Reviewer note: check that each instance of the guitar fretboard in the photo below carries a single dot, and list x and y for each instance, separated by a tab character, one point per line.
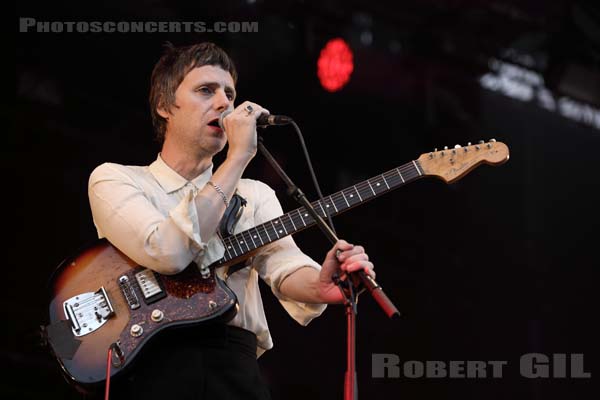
294	221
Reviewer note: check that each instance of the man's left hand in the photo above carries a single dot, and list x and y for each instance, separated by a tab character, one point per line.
343	258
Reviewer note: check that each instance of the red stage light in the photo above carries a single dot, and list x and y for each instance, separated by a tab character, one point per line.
335	65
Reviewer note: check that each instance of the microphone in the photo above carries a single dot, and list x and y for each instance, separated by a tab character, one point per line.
262	121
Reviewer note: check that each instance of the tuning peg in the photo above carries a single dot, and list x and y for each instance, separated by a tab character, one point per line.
457	146
445	147
430	156
493	140
469	143
481	142
435	150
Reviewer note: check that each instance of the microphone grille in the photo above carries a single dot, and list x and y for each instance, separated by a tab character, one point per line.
223	115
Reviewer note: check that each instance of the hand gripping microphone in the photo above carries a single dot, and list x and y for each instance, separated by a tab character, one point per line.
262	121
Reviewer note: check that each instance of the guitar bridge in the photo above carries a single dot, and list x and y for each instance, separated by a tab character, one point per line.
87	312
129	292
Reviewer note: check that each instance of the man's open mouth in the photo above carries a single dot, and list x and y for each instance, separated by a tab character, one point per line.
214	122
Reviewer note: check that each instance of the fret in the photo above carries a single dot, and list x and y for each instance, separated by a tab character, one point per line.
417	168
332	201
398	170
266	231
345	199
258	235
322	209
296	220
352	198
237	239
282	224
378	187
392	178
386	184
239	245
374	194
275	229
308	217
299	213
292	221
231	246
227	247
244	240
251	238
357	193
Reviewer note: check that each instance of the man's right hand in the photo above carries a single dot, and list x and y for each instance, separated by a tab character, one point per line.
240	128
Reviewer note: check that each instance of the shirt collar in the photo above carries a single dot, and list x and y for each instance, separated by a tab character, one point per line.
171	181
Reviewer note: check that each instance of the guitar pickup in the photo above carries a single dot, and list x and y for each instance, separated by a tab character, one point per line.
149	284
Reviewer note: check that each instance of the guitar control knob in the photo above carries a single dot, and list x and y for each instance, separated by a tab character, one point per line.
212	305
157	315
136	330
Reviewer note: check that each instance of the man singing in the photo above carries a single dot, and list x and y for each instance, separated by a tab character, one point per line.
165	216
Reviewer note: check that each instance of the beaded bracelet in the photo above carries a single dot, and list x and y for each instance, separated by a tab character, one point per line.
220	191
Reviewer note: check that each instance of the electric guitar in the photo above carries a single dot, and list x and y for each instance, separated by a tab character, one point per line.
101	299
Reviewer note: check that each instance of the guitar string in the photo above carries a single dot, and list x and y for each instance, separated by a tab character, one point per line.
393	176
335	198
410	170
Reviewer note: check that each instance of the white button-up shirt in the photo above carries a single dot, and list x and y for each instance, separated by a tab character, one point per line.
149	213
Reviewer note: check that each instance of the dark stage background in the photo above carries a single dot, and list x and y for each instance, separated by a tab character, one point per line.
498	265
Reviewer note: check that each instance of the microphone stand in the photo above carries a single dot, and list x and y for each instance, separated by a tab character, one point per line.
346	287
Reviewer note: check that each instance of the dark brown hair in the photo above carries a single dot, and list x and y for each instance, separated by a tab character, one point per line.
170	70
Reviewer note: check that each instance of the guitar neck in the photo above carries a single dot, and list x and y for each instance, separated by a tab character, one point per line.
240	244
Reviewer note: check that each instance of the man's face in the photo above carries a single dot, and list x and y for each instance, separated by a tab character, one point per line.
202	96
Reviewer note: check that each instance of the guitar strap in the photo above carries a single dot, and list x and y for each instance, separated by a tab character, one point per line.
232	215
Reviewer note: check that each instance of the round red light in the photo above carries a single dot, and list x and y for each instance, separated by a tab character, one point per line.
335	65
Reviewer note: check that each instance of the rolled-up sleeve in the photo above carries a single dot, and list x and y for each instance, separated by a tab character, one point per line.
129	220
278	260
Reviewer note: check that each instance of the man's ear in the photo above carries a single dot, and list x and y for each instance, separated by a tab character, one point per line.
163	112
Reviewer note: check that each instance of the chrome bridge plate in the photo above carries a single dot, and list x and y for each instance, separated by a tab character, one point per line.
88	311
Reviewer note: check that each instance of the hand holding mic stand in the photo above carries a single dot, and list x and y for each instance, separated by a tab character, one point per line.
350	386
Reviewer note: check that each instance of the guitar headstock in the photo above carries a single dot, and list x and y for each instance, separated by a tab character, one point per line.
452	164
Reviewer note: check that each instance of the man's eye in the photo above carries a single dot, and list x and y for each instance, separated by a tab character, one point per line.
204	89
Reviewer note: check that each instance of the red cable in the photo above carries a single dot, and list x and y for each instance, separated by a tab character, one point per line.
108	362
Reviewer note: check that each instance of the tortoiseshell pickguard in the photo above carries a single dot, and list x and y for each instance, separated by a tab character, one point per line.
190	299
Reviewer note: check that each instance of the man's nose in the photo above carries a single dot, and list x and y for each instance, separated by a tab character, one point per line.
222	102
